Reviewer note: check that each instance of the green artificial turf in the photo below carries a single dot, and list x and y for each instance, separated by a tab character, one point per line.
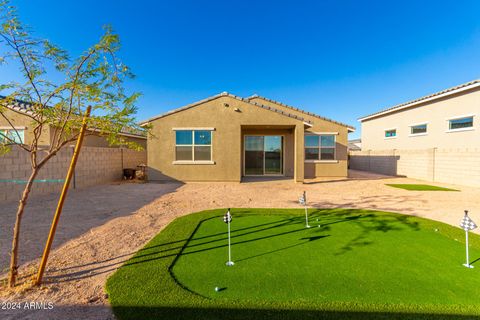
358	264
419	187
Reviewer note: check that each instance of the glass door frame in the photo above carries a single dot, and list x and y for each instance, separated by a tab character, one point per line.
282	154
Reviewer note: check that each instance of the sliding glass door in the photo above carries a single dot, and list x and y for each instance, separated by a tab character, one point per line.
263	155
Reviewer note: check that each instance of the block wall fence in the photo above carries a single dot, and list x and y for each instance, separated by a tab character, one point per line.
455	166
95	166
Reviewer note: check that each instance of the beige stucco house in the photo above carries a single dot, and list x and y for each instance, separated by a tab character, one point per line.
446	119
226	137
16	114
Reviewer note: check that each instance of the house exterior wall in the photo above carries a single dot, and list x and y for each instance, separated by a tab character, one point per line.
320	168
21	120
436	114
227	140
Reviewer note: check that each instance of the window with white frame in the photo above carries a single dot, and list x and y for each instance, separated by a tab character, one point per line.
418	129
193	145
11	135
460	123
391	133
320	147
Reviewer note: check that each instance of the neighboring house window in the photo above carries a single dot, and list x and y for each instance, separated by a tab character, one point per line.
193	145
18	135
460	123
390	133
320	147
418	129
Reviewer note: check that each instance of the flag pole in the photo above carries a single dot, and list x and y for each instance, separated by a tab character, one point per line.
228	220
230	262
468	265
306	210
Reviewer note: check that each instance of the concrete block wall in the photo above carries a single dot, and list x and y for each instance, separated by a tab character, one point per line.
456	166
95	166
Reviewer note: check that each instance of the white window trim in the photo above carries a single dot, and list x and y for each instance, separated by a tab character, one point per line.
321	161
193	162
390	129
193	145
461	129
318	134
460	117
421	133
194	128
14	130
419	123
418	134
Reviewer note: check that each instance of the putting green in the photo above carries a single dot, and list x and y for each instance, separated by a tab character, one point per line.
359	257
355	264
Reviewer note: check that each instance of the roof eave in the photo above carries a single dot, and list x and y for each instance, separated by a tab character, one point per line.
432	97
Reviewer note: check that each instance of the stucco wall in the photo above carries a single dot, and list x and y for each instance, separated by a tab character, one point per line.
21	120
95	166
226	139
319	168
449	165
436	115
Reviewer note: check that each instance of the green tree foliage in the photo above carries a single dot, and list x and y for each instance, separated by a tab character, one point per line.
96	78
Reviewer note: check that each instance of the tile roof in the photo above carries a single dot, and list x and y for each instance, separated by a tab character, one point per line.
26	107
437	95
226	94
300	110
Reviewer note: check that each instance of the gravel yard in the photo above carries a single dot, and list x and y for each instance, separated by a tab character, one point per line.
103	226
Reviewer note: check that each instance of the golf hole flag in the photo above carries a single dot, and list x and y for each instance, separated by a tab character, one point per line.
467	224
227	218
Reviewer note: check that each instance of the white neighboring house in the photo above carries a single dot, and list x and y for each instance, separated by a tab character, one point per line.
446	119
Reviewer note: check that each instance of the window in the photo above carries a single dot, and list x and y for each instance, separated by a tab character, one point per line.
320	147
193	145
8	135
390	133
418	129
460	123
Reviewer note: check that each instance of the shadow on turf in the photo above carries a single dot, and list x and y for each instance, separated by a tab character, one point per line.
367	221
173	313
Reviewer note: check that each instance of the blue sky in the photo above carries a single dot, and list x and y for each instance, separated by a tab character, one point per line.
340	59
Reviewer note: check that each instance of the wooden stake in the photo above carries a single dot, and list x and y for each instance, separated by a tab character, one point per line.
63	196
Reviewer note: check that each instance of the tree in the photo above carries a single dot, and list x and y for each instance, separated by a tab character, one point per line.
96	78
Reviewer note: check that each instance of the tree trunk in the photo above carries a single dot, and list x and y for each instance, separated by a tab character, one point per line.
12	276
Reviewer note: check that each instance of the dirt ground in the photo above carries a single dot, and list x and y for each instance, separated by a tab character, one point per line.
103	226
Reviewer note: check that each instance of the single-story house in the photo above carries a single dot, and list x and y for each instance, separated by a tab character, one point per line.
22	130
226	137
445	119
